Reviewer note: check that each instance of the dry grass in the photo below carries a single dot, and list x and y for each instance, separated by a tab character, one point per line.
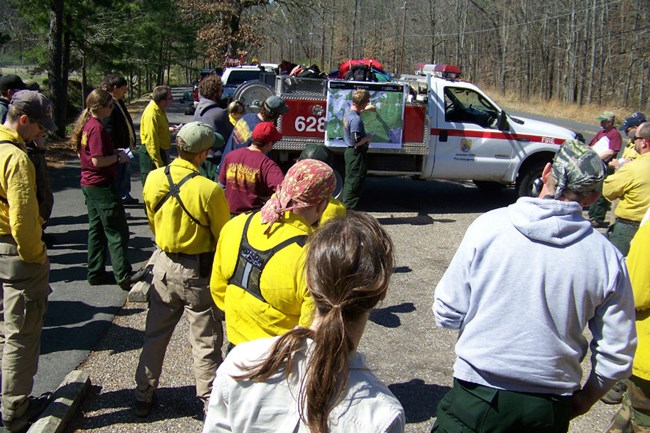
581	113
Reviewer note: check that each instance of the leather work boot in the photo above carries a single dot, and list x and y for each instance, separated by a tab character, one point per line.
36	406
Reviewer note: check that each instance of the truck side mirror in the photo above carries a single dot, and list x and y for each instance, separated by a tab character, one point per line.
502	121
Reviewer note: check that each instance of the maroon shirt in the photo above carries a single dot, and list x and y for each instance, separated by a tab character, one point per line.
250	178
95	141
615	140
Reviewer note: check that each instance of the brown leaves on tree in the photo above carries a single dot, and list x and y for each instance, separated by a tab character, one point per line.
229	28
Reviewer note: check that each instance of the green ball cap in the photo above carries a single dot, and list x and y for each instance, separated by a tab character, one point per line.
220	141
196	137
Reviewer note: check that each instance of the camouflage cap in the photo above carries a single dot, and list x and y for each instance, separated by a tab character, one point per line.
578	168
607	115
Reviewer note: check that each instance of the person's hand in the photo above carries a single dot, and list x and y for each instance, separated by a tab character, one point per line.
613	164
122	158
579	405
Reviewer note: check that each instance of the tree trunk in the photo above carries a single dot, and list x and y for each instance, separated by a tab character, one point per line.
55	66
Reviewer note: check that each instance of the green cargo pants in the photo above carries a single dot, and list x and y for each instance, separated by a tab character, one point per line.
598	210
107	227
472	408
146	164
356	168
621	234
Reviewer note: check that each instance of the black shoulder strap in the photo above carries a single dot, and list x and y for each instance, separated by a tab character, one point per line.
208	108
174	191
251	262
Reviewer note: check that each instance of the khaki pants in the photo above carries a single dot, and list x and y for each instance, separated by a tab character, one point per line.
23	295
177	286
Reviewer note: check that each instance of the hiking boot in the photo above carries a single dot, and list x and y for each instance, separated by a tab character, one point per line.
615	394
133	277
599	224
130	200
36	406
143	408
102	279
139	274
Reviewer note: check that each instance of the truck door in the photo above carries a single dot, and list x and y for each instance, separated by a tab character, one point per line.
465	134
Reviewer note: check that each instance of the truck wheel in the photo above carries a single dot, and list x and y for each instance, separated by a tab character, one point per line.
527	177
489	187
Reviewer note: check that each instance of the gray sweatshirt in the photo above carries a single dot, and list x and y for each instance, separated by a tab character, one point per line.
522	287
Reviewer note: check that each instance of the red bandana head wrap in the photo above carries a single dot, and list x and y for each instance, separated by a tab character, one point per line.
307	183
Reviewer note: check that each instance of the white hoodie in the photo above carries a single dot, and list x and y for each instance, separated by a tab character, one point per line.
525	282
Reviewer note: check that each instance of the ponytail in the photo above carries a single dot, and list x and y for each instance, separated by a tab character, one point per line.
327	373
75	139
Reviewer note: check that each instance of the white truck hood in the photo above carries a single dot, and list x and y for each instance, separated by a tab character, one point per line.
537	127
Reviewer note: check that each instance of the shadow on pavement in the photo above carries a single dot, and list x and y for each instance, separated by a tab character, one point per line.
424	197
419	399
387	317
72	338
60	313
116	407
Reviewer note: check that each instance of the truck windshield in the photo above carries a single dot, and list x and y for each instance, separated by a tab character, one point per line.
468	106
238	77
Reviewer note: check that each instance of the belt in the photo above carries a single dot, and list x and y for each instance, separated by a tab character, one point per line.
7	239
628	222
187	256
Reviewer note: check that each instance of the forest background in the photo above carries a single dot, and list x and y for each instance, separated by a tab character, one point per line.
557	52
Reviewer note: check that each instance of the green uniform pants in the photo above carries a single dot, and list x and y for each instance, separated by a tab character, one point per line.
356	168
598	210
23	304
107	227
146	163
472	408
621	234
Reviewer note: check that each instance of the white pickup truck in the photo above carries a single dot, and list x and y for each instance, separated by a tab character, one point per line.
452	131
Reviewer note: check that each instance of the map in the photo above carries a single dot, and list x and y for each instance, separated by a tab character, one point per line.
385	123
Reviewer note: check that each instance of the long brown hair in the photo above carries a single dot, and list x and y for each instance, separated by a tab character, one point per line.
96	100
349	264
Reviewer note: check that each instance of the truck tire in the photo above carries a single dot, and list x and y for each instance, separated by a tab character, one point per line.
528	174
489	187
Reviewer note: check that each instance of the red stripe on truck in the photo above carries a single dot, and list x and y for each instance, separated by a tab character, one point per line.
498	135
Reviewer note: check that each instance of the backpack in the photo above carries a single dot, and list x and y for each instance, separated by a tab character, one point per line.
360	72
